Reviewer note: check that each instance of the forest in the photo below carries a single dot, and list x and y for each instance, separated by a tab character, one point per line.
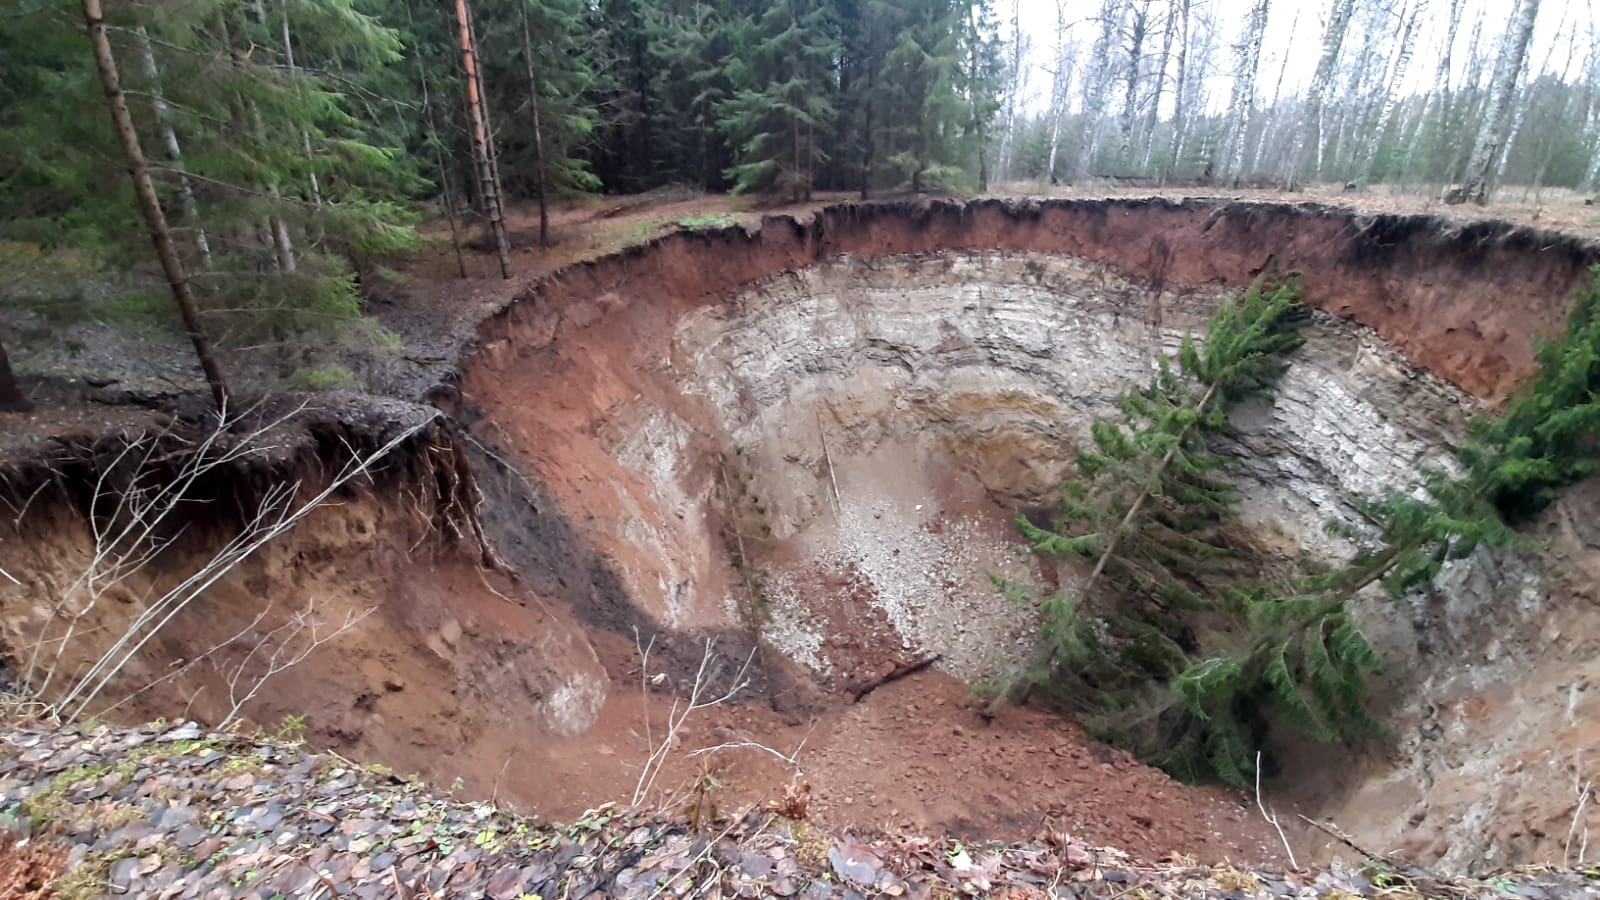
280	150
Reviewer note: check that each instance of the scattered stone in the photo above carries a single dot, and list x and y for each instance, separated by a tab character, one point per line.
303	838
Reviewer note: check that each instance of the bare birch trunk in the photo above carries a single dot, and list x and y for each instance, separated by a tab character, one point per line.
1180	120
1061	82
1096	81
1017	82
1309	134
1242	103
169	137
1491	137
149	203
1153	117
1391	91
478	114
1138	31
1441	84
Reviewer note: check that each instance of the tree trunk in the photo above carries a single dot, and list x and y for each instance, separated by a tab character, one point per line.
438	154
11	397
1441	85
1015	83
1180	93
478	115
305	136
169	137
1095	84
867	147
1502	93
977	118
538	132
1138	30
1309	135
1391	91
149	204
1242	102
1061	82
1153	116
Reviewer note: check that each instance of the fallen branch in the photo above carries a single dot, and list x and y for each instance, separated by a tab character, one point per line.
898	672
1272	818
792	760
1338	835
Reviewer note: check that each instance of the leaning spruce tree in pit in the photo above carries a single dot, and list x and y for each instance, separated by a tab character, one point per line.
1168	649
1149	512
1170	646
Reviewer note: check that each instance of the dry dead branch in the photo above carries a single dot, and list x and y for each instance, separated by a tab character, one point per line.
1272	817
682	708
135	513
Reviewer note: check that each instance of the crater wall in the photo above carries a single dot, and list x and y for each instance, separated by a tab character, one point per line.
831	424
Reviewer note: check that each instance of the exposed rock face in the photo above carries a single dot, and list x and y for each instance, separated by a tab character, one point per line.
950	391
865	401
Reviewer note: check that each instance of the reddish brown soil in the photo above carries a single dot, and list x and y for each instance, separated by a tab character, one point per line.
1466	301
913	756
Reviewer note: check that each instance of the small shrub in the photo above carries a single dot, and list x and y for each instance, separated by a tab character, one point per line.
711	221
323	378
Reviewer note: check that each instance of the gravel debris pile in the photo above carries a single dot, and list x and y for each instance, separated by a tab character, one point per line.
173	811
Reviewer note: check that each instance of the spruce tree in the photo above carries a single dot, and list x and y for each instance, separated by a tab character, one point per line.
782	105
279	161
1549	436
540	82
1147	509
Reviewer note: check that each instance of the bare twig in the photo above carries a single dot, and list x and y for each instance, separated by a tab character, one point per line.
823	434
1585	791
792	760
1272	818
681	711
1348	841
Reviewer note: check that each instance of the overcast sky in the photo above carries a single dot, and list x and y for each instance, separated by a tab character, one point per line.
1294	27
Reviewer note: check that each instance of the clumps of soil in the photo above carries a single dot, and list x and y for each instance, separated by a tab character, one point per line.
172	810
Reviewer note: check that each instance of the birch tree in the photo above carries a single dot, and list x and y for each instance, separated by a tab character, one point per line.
1502	92
1439	94
1309	135
1241	104
1096	83
1066	56
1016	83
1180	92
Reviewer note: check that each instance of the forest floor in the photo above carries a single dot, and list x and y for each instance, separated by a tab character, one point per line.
169	810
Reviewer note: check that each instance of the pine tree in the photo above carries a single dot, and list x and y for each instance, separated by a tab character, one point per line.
539	82
781	107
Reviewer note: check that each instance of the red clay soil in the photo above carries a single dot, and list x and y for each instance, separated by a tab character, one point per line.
1468	302
913	756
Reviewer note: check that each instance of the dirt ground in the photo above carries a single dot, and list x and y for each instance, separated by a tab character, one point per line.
912	757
